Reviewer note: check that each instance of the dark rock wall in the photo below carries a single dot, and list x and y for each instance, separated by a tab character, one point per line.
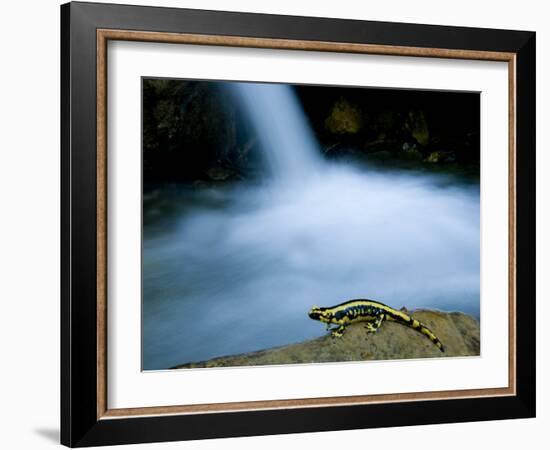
433	127
193	130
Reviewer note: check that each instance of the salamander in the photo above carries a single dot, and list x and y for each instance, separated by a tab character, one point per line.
371	312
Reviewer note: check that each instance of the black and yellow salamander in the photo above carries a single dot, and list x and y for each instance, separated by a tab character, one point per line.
371	312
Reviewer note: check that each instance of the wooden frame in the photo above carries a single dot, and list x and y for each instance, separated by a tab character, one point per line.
86	418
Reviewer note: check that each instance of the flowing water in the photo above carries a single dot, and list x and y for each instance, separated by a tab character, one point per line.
235	269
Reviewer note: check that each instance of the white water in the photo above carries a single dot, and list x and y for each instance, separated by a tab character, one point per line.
239	269
288	144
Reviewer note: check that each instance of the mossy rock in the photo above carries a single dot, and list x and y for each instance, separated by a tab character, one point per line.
439	157
344	118
418	126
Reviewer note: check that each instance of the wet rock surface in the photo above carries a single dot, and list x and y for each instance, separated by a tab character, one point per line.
459	333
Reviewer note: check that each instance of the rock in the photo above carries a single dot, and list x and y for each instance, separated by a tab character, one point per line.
458	332
187	128
382	155
332	148
438	157
418	126
244	150
219	173
410	151
344	118
386	122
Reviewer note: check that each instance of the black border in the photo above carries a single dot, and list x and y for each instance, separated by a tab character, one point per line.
79	425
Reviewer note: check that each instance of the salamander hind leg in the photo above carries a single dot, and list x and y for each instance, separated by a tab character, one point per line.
372	327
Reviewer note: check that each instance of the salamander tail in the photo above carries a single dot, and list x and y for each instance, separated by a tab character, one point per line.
431	336
421	328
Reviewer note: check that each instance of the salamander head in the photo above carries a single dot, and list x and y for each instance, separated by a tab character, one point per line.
321	314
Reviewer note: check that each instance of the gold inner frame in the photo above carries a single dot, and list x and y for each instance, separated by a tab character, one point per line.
104	35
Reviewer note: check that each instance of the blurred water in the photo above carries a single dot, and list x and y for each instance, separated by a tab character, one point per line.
288	144
239	270
236	269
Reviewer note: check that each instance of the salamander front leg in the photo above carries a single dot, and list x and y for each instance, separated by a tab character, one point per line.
338	332
379	321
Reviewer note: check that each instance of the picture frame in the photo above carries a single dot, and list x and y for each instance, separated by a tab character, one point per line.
86	29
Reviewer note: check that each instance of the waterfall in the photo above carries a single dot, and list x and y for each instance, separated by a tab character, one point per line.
287	142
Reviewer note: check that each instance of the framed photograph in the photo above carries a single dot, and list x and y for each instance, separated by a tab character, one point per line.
277	224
